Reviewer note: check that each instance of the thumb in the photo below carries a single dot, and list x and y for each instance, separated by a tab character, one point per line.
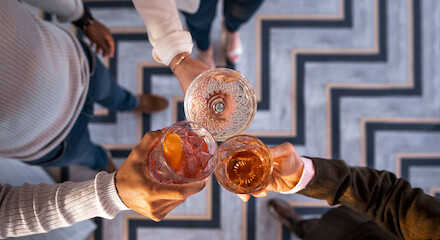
260	193
150	140
244	197
188	189
282	150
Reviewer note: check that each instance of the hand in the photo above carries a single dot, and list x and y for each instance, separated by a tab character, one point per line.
187	70
287	170
101	39
140	192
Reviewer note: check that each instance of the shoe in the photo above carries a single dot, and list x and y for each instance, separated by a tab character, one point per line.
111	167
283	212
207	57
149	103
232	46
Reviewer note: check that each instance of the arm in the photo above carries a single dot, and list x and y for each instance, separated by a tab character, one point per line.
65	10
75	12
391	202
169	40
164	29
31	209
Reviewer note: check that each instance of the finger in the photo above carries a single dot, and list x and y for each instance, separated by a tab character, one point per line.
157	205
206	180
181	191
281	150
164	130
149	140
260	193
163	212
98	49
92	46
244	197
105	48
111	43
171	206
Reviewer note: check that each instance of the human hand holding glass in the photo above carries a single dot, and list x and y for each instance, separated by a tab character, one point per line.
185	153
187	69
141	192
222	100
287	171
245	164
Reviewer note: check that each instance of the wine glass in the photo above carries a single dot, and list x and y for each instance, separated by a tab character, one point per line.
186	152
221	100
245	164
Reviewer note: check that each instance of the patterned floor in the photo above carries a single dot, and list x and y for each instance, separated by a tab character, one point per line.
353	80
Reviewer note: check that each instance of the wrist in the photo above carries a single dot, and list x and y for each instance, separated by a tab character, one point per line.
302	176
85	20
108	191
178	60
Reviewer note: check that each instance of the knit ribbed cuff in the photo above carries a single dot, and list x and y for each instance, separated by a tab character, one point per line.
171	45
108	195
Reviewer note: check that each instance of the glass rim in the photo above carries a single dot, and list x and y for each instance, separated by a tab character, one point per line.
251	189
167	165
242	79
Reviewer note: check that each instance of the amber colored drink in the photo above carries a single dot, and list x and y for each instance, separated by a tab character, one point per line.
245	169
245	164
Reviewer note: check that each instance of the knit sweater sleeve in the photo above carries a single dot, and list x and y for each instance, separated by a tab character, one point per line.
31	209
65	10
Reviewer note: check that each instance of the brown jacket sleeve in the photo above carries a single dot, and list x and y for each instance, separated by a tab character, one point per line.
406	212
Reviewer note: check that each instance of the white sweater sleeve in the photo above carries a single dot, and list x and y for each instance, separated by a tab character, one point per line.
164	29
31	209
65	10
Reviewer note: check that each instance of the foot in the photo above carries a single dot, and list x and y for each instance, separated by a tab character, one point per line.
149	103
233	47
207	57
111	167
283	212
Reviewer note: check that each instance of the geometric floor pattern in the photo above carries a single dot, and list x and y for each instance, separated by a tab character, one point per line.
343	79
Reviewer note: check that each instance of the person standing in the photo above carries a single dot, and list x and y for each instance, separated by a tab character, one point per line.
235	13
49	82
379	196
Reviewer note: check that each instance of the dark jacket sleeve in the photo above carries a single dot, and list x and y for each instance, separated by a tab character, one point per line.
406	212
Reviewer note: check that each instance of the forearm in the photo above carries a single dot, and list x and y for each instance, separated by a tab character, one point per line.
391	202
65	10
31	209
164	29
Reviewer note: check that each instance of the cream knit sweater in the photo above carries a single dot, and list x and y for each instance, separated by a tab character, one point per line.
43	85
31	209
44	77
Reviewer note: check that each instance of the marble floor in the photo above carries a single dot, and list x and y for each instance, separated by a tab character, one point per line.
343	79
